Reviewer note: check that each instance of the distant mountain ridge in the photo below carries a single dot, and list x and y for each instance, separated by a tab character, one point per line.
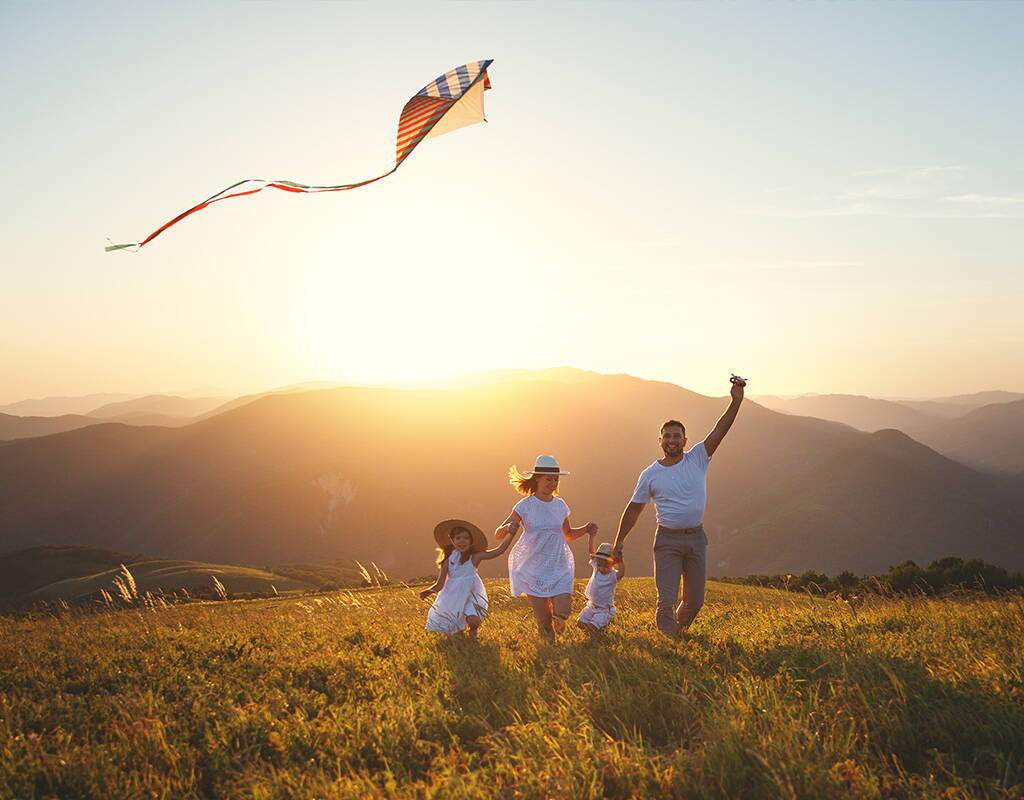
990	437
861	412
60	406
13	427
160	405
364	473
984	436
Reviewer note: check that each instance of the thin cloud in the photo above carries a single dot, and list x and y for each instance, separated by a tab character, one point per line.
905	193
987	199
920	172
784	265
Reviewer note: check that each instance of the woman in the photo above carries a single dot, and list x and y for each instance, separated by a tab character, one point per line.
541	565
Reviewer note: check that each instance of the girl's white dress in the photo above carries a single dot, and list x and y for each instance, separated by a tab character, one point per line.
601	596
463	594
541	563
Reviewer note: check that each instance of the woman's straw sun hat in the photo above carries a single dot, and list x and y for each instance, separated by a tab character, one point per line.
546	465
443	531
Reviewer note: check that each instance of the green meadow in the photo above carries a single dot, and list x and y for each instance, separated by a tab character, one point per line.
774	695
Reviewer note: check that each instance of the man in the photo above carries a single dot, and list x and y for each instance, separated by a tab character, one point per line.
677	484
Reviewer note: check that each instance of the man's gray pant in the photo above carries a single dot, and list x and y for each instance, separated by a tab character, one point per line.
678	555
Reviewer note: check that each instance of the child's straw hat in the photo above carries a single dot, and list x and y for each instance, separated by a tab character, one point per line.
443	531
604	552
546	465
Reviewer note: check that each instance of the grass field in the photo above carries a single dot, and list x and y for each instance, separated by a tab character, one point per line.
344	695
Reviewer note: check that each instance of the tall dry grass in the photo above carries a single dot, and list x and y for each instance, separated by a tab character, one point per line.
344	695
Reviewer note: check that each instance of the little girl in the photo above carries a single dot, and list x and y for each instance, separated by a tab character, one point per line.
541	565
601	589
461	597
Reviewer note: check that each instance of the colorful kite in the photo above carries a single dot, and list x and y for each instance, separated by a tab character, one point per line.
453	101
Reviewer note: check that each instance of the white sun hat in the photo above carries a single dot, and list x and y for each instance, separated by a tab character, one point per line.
546	465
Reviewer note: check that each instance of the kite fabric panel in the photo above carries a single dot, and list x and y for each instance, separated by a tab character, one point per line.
452	101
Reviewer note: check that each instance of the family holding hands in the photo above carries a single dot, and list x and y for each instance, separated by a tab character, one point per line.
541	565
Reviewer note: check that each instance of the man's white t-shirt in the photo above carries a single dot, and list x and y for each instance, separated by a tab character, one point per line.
679	492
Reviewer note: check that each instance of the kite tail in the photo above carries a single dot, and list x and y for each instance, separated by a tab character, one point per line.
228	192
419	120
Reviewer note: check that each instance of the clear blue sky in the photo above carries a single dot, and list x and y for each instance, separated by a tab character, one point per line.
827	196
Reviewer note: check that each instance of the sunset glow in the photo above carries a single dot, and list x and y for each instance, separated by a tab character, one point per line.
820	217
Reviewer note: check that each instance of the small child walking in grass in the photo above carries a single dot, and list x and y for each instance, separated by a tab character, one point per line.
541	565
461	602
600	590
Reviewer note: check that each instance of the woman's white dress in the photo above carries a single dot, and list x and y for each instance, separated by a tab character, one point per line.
600	592
463	594
541	563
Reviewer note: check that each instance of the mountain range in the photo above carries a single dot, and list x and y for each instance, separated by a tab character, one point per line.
364	473
984	430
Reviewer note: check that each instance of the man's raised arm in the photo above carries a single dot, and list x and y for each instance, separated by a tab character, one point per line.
629	517
725	422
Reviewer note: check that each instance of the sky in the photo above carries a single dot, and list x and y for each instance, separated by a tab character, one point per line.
824	197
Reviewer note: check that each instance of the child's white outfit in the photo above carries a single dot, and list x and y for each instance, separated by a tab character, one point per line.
541	563
463	594
601	596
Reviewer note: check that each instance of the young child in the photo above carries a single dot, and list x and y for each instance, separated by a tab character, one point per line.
461	601
541	565
601	589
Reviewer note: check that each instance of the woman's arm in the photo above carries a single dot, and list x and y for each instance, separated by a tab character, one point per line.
442	576
501	548
507	526
571	534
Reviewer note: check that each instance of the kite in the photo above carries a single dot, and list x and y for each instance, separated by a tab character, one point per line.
450	102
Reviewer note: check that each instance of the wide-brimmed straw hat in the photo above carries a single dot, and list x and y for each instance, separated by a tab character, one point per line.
604	552
546	465
443	531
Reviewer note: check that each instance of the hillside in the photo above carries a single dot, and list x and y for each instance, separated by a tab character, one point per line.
71	573
774	695
25	571
986	436
979	399
13	427
171	575
864	413
364	473
990	437
60	406
879	499
157	406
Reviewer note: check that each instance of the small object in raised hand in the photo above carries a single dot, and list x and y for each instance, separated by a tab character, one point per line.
738	380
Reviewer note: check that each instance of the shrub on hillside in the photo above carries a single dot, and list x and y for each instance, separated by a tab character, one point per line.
940	577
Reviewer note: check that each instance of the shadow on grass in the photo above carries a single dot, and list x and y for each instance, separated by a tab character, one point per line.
682	694
486	692
964	726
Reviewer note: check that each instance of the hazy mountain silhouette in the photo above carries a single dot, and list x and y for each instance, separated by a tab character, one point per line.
244	400
160	406
59	406
365	473
864	413
12	427
882	498
164	410
978	399
990	437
